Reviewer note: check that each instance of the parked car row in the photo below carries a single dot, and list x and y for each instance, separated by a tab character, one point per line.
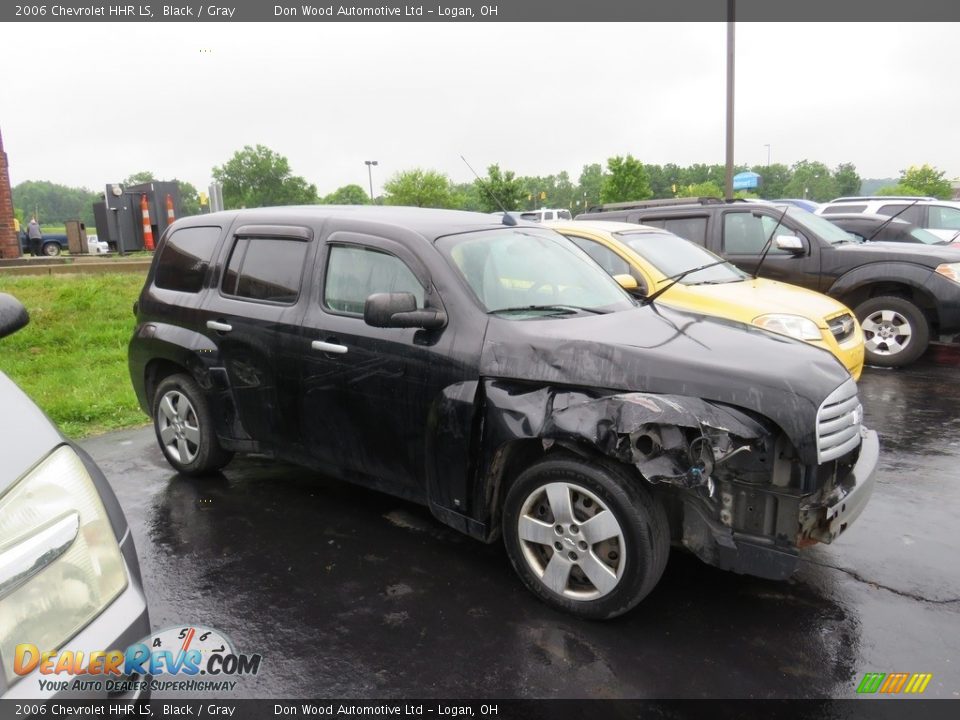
902	293
492	370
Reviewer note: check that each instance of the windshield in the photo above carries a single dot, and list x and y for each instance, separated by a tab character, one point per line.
531	272
819	226
671	255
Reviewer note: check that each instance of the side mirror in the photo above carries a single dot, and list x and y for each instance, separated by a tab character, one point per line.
399	310
13	315
627	282
790	243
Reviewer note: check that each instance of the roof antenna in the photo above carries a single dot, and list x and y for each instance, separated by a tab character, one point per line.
508	219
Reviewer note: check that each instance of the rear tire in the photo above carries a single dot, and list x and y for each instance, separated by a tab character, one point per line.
585	537
895	331
51	249
184	427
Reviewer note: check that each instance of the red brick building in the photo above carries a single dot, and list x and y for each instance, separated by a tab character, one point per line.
9	244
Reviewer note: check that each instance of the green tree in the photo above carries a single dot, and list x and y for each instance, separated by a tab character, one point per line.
589	185
928	180
257	177
347	195
500	187
420	188
812	180
466	196
139	178
704	189
774	179
627	180
54	204
900	189
848	180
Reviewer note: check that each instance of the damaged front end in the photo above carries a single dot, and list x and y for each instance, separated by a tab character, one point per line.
737	492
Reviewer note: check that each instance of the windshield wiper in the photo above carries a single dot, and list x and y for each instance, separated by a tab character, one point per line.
680	276
769	242
569	309
891	219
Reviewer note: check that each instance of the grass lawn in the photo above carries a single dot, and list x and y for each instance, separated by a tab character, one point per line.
72	357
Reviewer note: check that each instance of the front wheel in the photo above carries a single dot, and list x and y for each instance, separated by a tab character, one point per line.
895	331
184	427
51	249
586	537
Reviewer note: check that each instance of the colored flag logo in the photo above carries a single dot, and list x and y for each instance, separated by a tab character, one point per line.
894	683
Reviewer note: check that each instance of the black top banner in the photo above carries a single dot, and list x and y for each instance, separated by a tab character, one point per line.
533	11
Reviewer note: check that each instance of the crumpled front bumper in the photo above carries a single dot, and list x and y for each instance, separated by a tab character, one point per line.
834	513
823	519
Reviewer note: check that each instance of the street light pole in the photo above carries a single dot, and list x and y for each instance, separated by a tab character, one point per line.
731	34
767	146
370	164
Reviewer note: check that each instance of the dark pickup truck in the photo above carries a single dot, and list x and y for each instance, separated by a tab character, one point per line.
52	244
901	294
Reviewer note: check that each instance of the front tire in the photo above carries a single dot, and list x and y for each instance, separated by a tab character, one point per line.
585	537
184	427
895	331
51	249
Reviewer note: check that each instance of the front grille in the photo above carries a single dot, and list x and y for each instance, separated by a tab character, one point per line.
838	422
842	326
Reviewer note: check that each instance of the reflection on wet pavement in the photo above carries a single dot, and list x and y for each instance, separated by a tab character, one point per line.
346	592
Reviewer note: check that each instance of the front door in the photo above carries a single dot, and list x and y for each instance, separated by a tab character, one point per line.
370	395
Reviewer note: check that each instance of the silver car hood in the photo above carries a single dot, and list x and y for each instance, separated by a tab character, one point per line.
26	434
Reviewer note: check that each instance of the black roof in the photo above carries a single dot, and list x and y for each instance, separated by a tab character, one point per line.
431	223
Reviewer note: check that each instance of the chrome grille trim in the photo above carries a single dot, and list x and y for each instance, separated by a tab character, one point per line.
839	420
842	326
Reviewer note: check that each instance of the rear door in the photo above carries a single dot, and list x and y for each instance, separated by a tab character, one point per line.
254	316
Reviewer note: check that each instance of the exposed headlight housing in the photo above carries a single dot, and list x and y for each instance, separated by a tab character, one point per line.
796	326
951	271
60	564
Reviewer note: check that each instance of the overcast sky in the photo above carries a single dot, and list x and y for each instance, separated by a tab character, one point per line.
88	104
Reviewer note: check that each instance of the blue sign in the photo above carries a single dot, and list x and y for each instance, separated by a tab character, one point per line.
746	181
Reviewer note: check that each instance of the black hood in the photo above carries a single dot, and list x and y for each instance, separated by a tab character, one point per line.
661	350
918	253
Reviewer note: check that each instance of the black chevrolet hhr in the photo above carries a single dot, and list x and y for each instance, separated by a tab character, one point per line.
493	372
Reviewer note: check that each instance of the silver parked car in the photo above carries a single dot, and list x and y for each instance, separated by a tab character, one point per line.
69	576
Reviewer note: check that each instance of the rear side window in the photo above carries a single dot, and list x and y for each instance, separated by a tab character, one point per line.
356	273
185	257
911	213
845	208
689	228
944	218
266	269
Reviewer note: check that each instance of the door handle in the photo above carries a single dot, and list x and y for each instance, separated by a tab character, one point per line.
328	347
219	326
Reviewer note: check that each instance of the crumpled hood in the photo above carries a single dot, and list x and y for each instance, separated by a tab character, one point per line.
662	350
26	435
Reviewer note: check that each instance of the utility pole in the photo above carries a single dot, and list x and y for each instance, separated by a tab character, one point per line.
731	37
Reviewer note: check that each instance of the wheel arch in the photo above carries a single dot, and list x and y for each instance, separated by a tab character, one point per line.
892	279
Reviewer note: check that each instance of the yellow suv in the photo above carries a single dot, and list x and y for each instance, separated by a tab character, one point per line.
654	258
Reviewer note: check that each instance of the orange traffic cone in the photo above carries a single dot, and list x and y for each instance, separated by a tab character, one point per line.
170	216
147	230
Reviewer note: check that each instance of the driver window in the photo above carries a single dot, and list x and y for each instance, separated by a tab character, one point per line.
745	234
355	273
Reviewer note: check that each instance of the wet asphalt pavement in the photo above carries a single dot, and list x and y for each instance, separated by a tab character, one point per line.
349	593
